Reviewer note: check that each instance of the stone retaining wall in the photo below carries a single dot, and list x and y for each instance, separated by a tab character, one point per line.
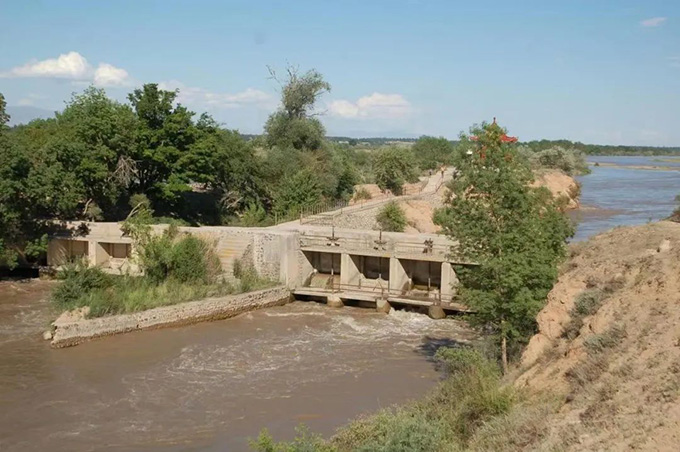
69	332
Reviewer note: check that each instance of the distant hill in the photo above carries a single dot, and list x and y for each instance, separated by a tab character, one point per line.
25	114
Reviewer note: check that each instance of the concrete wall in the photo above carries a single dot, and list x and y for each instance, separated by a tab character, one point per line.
273	253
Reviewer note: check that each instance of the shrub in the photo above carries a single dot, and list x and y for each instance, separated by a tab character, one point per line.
393	167
588	302
304	442
392	217
362	194
78	279
253	215
597	343
192	260
249	278
186	258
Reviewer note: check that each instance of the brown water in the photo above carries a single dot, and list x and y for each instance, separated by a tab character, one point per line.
210	386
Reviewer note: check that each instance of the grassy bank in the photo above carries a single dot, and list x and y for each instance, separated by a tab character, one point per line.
108	294
471	410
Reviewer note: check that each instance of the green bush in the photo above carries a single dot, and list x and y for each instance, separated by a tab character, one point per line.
78	279
393	167
185	258
304	442
391	218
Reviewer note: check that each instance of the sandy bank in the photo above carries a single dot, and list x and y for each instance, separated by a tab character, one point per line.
618	367
71	330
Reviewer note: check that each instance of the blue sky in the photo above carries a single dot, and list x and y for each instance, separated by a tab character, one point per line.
594	71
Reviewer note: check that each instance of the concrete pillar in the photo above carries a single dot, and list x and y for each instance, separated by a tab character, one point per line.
334	301
449	282
350	275
92	252
382	305
436	312
398	276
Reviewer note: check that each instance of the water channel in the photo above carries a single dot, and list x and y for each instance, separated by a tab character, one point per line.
211	386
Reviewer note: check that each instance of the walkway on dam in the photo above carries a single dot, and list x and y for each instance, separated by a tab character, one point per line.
431	185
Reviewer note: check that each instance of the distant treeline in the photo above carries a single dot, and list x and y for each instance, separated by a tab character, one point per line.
535	145
601	149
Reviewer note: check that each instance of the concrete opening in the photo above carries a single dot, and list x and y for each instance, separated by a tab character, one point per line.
62	251
322	270
376	267
113	255
423	278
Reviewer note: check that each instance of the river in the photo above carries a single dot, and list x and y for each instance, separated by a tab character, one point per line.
623	195
211	386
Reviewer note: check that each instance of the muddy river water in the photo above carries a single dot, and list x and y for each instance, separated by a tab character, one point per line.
210	386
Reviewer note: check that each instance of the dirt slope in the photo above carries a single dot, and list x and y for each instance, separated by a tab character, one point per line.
616	366
559	184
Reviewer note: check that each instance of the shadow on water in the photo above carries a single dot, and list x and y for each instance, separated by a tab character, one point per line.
429	346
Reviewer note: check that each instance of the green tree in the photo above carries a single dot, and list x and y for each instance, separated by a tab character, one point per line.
393	167
165	134
227	164
431	152
517	235
293	124
302	189
391	217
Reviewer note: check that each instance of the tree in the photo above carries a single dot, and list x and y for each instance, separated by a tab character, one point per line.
300	190
165	134
391	217
393	167
293	124
223	161
516	234
431	152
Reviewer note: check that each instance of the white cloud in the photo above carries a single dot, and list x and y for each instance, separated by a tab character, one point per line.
204	98
70	65
109	75
653	21
376	105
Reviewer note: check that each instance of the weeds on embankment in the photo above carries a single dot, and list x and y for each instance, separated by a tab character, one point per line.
176	268
471	410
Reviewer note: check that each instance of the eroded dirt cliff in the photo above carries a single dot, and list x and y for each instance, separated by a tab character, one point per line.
609	344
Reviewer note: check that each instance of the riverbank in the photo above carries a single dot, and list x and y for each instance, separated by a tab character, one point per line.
72	328
639	167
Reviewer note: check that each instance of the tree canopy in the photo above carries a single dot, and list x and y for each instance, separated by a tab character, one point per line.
517	234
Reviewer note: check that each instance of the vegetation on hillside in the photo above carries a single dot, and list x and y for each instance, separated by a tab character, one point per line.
516	233
391	217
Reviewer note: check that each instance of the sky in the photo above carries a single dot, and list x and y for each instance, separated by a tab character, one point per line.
604	72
